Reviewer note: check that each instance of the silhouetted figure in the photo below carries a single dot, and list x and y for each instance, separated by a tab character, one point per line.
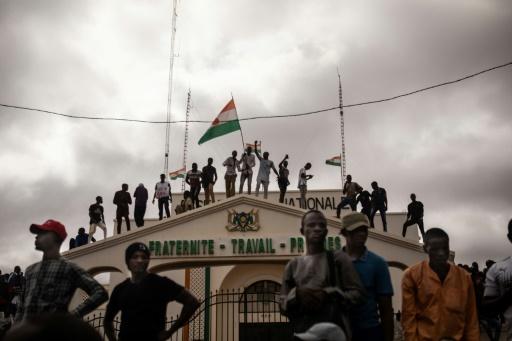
303	184
282	178
16	284
245	166
163	194
364	198
379	204
231	165
122	199
414	216
141	196
97	219
143	299
193	179
72	243
319	286
81	238
350	189
263	177
208	180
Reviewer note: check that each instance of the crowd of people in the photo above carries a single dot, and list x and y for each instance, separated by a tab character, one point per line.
345	293
45	292
195	179
206	178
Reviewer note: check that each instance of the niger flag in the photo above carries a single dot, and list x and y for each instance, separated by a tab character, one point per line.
226	122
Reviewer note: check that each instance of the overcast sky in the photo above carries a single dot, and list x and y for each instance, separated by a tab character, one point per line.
452	146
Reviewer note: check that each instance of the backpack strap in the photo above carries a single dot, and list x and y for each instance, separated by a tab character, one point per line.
332	268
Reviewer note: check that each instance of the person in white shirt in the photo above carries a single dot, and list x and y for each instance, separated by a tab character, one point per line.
303	184
264	172
231	165
163	194
498	288
245	166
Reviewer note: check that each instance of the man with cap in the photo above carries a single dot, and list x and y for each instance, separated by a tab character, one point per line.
372	320
323	331
142	300
51	283
319	286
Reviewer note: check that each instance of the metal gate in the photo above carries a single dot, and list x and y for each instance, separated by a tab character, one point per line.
246	314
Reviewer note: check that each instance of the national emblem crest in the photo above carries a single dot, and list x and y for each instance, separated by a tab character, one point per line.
242	221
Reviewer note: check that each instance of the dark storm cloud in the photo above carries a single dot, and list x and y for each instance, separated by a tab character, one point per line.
448	145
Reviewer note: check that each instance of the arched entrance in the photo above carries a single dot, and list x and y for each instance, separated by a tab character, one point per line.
262	319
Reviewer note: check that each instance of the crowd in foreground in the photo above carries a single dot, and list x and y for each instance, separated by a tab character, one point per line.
341	295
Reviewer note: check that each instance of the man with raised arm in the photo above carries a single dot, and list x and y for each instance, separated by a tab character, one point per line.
245	166
264	172
303	184
282	178
231	165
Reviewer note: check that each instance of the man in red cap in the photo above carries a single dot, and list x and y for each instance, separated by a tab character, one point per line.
51	283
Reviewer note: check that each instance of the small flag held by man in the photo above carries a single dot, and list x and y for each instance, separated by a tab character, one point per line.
254	147
226	122
334	161
180	173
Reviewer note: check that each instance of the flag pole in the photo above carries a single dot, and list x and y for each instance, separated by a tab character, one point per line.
241	133
342	132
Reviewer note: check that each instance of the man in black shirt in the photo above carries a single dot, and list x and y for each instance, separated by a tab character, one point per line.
379	203
141	199
122	199
365	199
142	300
282	178
209	179
97	218
414	216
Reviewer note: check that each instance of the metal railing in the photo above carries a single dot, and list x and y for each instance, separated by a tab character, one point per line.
227	315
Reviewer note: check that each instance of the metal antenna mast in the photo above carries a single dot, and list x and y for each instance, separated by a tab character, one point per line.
169	94
185	144
342	129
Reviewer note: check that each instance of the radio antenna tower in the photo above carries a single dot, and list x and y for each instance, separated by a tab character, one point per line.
185	144
169	93
342	130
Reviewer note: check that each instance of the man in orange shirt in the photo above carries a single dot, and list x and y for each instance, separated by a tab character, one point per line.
438	300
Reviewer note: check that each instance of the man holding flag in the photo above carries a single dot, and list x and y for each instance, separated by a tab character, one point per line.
245	166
